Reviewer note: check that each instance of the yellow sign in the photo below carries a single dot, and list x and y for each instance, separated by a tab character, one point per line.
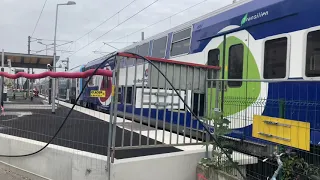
96	93
282	131
112	93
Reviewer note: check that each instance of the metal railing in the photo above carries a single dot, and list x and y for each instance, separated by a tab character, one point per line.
142	114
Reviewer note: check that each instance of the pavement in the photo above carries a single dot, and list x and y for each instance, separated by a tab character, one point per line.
81	131
8	172
8	175
34	120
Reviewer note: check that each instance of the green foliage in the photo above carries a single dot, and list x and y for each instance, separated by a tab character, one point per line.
219	160
294	167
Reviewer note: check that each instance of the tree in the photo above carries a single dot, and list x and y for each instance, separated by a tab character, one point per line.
219	160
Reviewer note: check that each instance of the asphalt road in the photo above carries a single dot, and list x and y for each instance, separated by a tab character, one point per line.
81	131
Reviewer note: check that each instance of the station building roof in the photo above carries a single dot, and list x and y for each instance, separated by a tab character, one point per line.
27	60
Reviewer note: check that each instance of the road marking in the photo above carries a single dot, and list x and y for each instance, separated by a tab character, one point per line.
17	114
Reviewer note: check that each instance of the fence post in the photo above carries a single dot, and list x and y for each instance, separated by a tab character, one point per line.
282	108
281	115
110	123
115	107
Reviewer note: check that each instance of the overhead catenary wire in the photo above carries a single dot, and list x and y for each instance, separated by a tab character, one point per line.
109	18
35	27
148	25
106	20
113	41
42	39
114	27
159	21
154	23
56	46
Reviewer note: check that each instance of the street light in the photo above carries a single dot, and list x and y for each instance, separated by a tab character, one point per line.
54	55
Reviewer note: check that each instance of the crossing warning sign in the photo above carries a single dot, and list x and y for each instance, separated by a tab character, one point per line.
97	93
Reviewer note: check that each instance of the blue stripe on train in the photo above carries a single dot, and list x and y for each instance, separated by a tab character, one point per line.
161	114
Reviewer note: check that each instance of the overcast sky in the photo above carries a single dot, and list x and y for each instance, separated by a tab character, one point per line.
18	19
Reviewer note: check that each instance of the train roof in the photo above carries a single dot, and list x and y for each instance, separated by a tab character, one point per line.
225	13
98	61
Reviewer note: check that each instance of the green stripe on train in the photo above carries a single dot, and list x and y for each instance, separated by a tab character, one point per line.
238	98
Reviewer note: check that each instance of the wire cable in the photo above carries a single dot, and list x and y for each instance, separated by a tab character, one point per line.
41	39
105	20
160	21
56	46
115	27
65	120
35	27
152	24
117	13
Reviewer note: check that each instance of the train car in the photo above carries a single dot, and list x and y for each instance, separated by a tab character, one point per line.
76	85
273	40
98	83
63	89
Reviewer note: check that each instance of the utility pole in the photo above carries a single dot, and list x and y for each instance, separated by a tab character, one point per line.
28	80
142	36
2	78
29	42
32	81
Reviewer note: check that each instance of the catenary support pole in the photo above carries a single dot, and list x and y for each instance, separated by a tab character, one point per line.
2	78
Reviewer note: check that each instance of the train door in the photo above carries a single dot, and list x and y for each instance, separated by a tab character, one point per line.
230	52
235	66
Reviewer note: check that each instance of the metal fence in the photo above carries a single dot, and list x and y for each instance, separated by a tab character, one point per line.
144	112
269	116
27	125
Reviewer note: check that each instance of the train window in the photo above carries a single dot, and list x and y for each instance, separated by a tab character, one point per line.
159	47
77	82
313	54
143	50
105	83
275	58
129	95
119	94
213	60
235	67
181	42
198	104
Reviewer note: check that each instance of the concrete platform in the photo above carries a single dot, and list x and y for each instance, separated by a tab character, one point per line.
81	132
79	151
8	172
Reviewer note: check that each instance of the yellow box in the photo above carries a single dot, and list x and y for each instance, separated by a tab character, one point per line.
282	131
97	93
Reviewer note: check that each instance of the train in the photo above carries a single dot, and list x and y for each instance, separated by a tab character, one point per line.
275	41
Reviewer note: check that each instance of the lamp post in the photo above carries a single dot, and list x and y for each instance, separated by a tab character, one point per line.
54	55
